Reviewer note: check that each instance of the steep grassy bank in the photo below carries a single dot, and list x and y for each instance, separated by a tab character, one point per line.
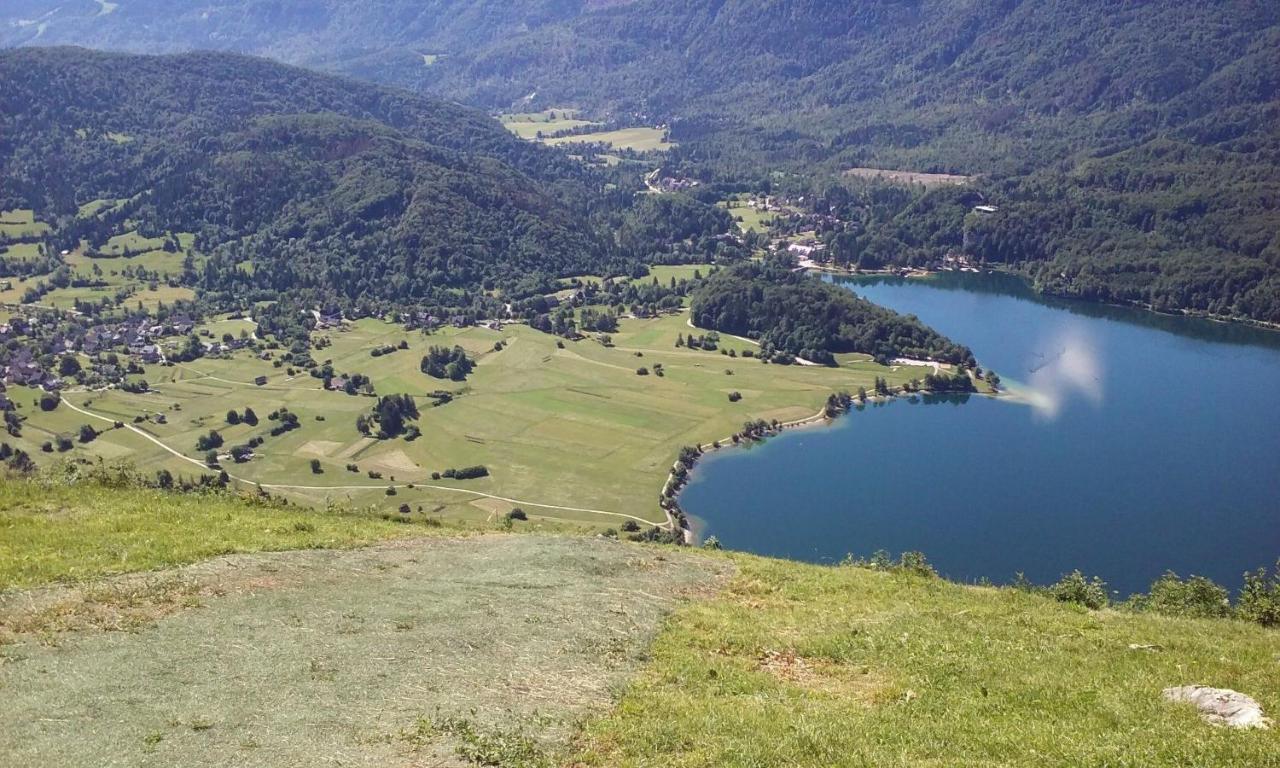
78	532
804	665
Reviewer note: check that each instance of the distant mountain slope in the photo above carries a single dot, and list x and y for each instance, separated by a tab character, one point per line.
320	182
388	40
1132	148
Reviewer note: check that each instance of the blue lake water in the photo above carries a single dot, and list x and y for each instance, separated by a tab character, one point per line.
1152	444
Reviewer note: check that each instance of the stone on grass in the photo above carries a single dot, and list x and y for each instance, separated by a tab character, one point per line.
1221	706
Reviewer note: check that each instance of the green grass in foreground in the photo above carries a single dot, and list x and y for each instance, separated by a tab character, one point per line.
800	665
71	533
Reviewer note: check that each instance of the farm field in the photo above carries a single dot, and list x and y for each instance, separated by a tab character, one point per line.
639	139
570	435
529	124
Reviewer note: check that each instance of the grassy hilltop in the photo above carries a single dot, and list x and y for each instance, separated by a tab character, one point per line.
537	650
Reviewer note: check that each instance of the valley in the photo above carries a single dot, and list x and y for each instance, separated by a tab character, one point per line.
642	383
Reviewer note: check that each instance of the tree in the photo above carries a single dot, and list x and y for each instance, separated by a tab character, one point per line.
233	418
250	417
315	467
209	442
49	401
68	366
87	433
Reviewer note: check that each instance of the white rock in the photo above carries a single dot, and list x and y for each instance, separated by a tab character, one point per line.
1221	706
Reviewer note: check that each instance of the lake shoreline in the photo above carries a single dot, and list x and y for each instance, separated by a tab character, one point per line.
676	481
920	273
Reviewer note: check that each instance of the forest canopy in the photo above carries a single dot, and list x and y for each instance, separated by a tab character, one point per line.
810	318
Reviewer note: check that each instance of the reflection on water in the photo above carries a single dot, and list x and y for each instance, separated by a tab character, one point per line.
1069	366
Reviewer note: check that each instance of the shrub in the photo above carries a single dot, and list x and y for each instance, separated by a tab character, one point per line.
1260	598
917	563
1075	588
316	469
735	396
1197	597
642	371
630	526
517	514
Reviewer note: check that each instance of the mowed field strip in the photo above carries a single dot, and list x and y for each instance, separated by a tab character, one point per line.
335	657
571	434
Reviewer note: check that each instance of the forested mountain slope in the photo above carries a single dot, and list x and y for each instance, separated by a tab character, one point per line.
320	182
385	40
1132	148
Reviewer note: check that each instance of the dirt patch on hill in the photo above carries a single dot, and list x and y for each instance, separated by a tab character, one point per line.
393	461
321	448
908	177
331	657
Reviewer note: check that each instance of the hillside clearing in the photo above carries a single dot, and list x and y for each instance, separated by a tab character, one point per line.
640	139
347	657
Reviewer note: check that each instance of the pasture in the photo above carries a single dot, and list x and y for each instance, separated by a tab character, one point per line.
20	224
571	433
748	218
640	139
529	125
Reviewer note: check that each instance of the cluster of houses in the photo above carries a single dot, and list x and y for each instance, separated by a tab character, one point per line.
141	337
659	180
807	248
24	371
413	320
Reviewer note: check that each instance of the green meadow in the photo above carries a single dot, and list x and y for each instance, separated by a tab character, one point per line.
639	139
528	125
570	431
20	224
749	218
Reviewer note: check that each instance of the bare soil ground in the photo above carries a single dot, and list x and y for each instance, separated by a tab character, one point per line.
332	657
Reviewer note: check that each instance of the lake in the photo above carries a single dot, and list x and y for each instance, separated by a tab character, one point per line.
1151	443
